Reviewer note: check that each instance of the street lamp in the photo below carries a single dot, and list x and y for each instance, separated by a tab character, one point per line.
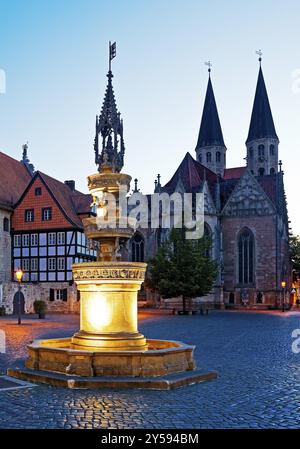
283	285
19	275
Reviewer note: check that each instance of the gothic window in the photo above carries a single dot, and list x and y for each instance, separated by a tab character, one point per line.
5	224
200	158
246	258
208	157
137	248
261	150
208	237
261	171
272	148
272	171
218	156
158	237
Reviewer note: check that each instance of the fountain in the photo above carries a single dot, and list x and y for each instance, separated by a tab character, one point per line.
108	350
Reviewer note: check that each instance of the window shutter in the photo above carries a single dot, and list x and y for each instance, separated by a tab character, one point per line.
65	294
51	294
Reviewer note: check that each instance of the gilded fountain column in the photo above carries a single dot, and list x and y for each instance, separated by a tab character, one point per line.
108	287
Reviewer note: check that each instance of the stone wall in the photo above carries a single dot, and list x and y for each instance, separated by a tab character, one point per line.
264	231
5	248
32	291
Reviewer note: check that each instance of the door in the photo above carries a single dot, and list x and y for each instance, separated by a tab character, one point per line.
16	304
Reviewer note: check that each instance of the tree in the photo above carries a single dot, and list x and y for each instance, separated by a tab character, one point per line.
182	267
295	255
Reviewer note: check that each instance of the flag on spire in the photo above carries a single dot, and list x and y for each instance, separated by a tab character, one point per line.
112	50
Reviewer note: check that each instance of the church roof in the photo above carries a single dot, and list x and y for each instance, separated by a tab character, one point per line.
191	174
261	124
14	179
233	173
210	133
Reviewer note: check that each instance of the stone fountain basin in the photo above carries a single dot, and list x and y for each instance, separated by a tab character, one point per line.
163	357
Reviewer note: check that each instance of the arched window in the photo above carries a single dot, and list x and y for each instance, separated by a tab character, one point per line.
261	171
246	258
137	248
208	157
251	152
218	156
5	224
158	237
208	235
272	171
261	150
272	150
200	158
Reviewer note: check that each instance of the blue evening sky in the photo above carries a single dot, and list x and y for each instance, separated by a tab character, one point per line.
54	54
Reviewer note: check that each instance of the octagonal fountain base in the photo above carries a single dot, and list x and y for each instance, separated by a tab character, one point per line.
164	365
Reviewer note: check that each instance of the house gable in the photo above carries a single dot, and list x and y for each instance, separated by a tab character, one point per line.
29	200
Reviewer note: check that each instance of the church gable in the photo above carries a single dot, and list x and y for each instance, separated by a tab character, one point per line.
248	199
209	206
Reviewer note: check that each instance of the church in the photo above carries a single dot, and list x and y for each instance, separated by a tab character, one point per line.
245	208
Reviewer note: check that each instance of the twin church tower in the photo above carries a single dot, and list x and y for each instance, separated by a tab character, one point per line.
262	141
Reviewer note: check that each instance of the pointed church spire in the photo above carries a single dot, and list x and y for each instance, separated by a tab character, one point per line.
261	124
210	133
109	127
210	148
262	142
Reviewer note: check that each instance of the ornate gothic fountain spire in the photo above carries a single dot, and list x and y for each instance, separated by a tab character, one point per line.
109	128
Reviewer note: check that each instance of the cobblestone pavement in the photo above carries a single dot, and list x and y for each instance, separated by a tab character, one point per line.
258	384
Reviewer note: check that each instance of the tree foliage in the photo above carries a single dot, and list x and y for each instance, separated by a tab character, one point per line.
182	267
295	255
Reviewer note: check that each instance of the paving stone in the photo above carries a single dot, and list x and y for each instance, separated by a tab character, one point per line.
258	384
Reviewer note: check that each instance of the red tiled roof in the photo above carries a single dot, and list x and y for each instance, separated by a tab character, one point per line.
82	202
191	173
14	178
234	173
268	183
72	202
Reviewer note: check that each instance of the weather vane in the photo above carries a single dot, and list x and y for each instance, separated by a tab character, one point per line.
209	64
112	52
259	53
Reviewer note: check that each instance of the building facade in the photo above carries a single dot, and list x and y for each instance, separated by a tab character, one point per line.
42	234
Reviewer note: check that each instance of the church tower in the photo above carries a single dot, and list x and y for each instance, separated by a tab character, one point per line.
210	148
262	142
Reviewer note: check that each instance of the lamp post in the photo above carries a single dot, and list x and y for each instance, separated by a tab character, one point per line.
283	285
19	276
